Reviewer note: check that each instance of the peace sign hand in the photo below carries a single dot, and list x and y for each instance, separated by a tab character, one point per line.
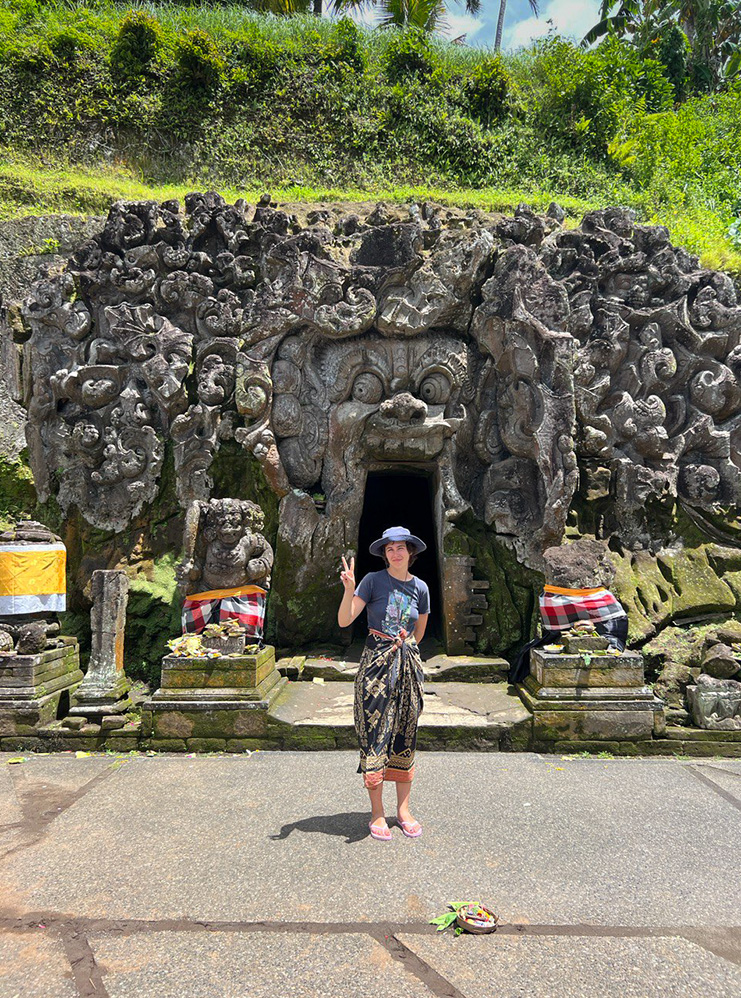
348	575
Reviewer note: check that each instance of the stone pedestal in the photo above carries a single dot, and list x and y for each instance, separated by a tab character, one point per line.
212	704
587	695
105	686
31	686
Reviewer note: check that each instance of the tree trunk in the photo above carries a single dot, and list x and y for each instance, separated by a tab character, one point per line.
318	8
500	25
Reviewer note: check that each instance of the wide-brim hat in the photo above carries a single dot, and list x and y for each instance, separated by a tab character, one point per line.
396	534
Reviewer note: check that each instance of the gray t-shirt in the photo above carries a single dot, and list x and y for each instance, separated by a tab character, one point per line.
393	605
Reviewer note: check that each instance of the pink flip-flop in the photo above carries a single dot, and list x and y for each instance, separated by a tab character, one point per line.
383	835
404	825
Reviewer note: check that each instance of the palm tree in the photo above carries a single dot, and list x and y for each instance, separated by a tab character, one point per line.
428	15
500	20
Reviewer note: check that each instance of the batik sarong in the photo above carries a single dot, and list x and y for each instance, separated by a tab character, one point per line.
245	604
388	702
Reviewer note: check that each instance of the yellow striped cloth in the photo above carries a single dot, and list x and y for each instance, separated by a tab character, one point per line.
32	578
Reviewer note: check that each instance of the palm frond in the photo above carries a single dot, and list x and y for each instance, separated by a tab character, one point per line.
428	15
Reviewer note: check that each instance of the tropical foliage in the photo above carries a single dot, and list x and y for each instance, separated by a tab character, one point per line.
426	15
700	40
174	96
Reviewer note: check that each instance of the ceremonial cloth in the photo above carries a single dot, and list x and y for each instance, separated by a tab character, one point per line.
32	578
245	604
560	609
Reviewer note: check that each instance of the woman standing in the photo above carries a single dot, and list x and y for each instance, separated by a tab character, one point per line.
388	686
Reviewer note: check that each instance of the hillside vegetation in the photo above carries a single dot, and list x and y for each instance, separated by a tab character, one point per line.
102	100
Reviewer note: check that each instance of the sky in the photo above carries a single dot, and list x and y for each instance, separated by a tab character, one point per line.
572	18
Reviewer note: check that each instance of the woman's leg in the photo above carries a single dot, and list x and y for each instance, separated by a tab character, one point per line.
402	802
378	818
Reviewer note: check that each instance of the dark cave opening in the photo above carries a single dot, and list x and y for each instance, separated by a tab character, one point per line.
400	499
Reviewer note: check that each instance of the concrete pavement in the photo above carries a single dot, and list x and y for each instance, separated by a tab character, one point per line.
223	876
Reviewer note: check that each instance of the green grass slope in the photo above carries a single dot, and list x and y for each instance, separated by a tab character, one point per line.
99	101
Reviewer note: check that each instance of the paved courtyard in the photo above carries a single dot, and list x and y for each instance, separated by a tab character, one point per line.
228	876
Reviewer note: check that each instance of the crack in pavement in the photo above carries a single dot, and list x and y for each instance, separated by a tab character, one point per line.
719	769
85	971
41	805
440	986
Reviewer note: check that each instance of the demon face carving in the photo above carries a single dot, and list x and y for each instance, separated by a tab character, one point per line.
342	408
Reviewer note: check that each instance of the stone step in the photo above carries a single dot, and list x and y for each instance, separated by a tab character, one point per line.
437	668
682	734
456	716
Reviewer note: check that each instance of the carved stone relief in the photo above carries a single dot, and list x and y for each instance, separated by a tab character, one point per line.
498	355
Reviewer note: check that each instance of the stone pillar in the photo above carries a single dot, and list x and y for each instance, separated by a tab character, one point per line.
105	686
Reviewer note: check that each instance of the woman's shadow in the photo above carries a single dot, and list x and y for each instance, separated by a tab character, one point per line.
353	825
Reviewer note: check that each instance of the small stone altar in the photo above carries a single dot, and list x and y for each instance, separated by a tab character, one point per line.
39	668
578	691
211	703
217	685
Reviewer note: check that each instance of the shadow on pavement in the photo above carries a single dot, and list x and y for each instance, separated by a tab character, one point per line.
353	825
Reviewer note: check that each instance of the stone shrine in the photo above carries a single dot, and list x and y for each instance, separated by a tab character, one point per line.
39	667
218	683
582	692
502	385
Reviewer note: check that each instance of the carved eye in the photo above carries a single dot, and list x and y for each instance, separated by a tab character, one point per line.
435	389
367	388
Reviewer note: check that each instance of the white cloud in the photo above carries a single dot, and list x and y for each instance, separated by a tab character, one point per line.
572	18
366	16
465	24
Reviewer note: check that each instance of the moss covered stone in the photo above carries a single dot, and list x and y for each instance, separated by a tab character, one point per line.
17	491
512	611
153	616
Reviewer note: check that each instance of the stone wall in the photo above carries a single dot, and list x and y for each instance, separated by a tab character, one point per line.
551	383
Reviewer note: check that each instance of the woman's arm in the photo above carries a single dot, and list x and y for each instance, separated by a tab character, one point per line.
420	626
351	605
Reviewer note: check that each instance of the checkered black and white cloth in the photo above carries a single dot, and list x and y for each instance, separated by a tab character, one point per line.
562	608
247	605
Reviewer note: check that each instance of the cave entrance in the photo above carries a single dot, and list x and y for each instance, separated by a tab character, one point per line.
401	499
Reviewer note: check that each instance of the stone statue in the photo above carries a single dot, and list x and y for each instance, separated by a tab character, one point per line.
582	564
715	703
224	547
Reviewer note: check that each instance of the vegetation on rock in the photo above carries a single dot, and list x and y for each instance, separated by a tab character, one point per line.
223	97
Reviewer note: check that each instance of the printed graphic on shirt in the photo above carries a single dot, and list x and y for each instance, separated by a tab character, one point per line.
398	612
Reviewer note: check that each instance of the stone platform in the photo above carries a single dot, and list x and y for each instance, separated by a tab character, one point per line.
456	717
32	686
588	695
212	704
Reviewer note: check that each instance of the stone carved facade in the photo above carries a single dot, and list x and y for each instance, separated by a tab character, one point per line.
498	355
